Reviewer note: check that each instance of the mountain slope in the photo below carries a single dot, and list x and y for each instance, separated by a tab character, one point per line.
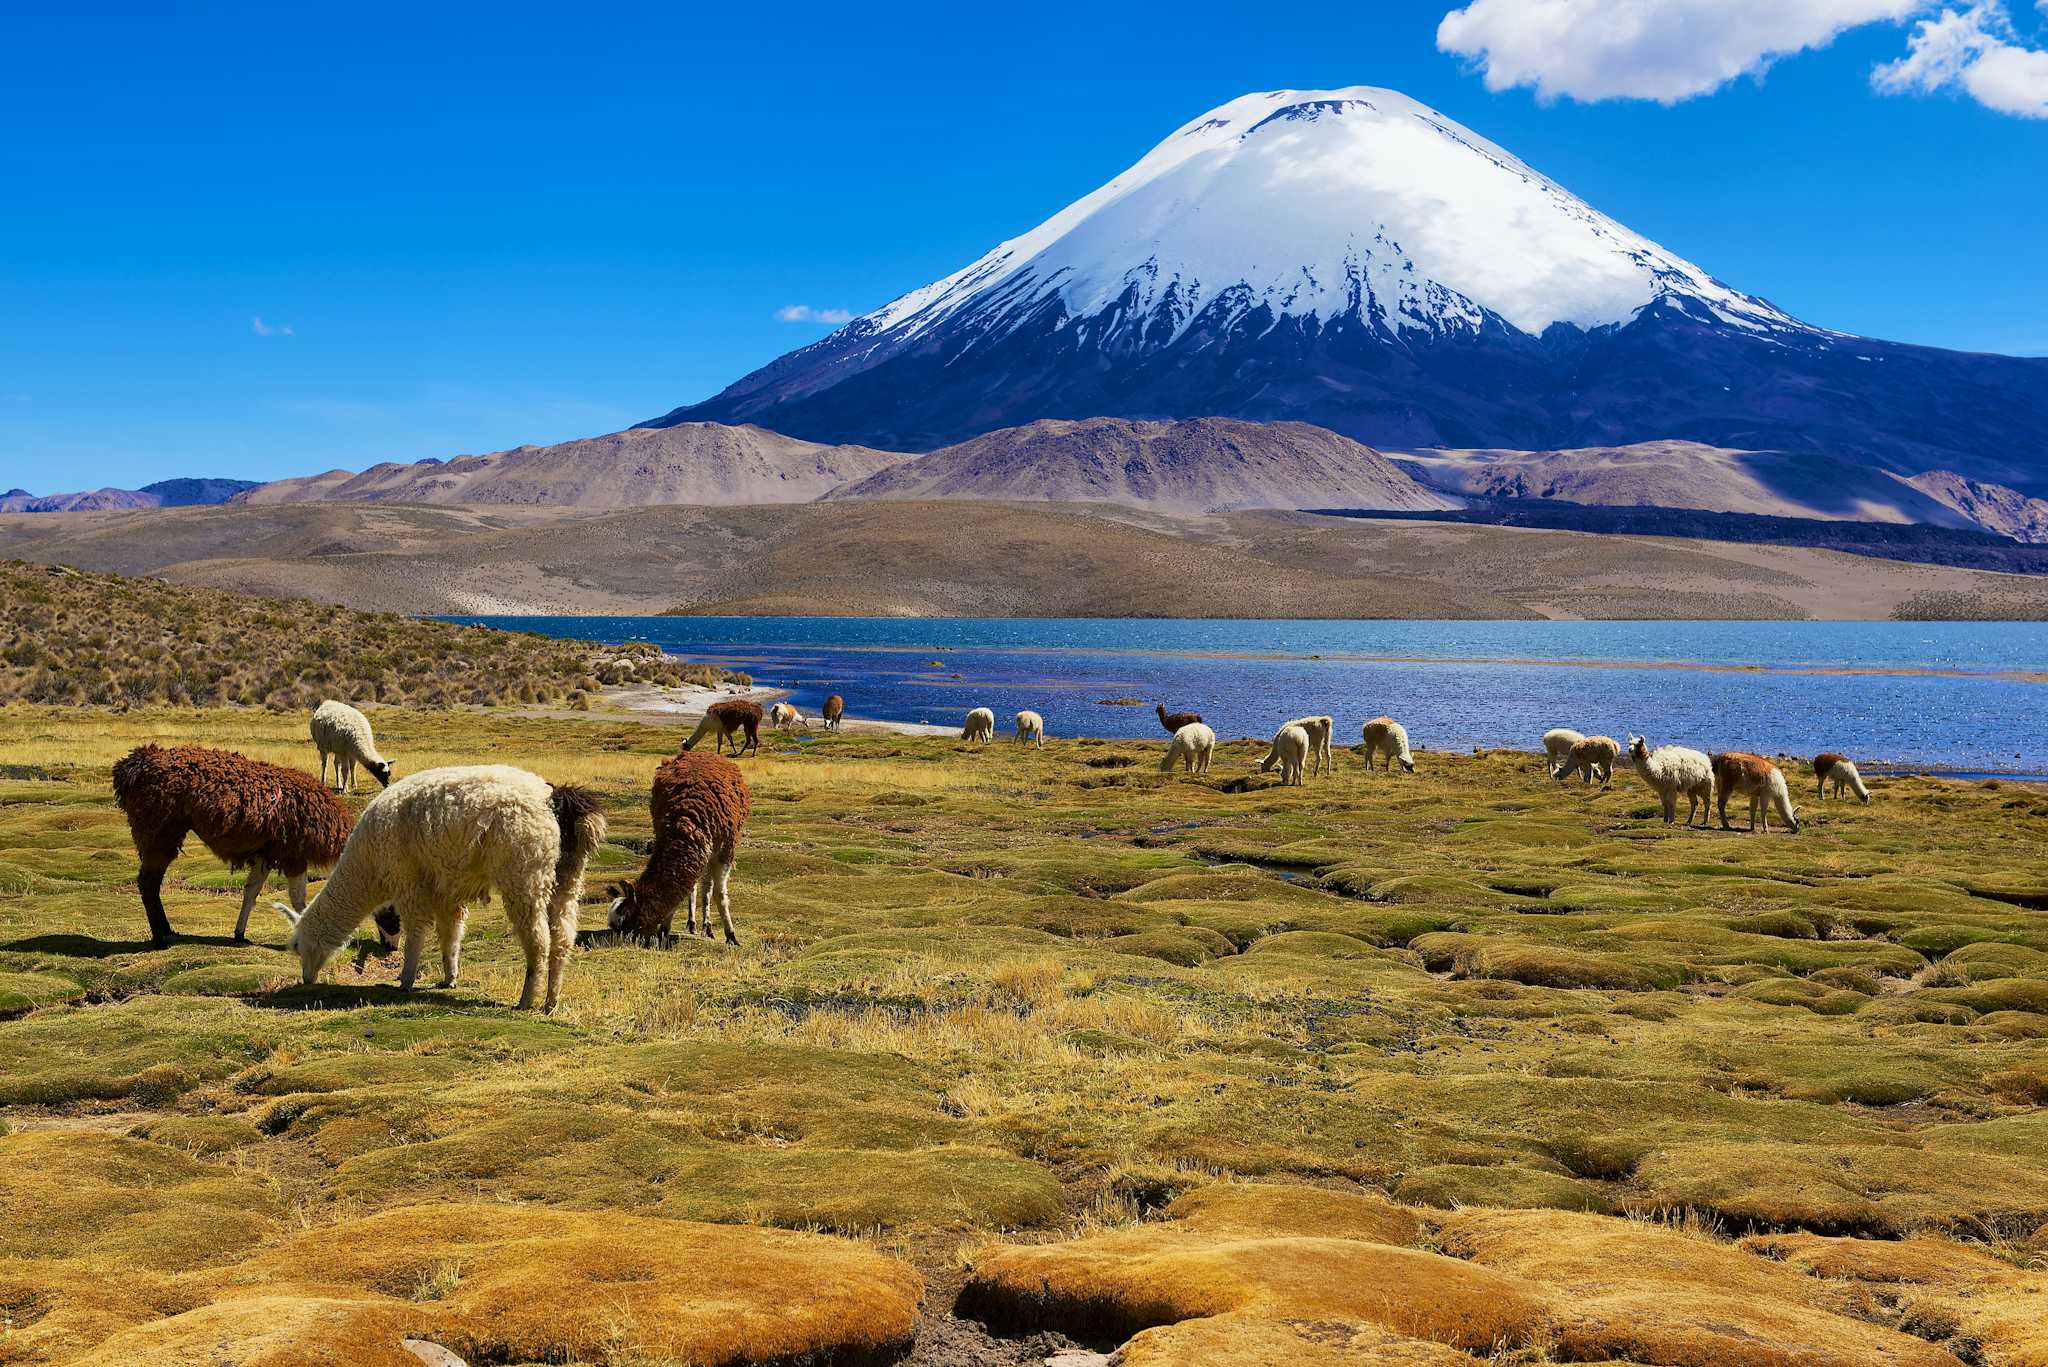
1202	465
1353	259
1990	506
165	493
1683	474
701	463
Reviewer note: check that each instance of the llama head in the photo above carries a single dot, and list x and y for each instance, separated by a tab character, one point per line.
1638	748
313	955
379	770
1408	764
624	913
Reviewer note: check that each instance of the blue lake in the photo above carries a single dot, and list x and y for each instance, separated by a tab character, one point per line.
1954	695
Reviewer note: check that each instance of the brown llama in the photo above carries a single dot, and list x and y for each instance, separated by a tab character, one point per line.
1752	776
1174	721
732	715
700	806
1831	770
835	708
250	814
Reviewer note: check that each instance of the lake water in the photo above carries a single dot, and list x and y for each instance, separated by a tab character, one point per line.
1968	696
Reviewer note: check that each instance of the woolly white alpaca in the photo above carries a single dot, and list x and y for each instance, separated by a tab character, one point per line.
1557	743
1030	729
433	843
1672	770
784	715
341	731
1319	729
1291	748
1738	774
1193	746
981	725
1592	756
1385	736
1835	771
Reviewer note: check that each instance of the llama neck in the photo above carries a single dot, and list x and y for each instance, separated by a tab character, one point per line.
673	867
352	891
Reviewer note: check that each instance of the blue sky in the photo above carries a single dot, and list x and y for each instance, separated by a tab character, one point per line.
466	228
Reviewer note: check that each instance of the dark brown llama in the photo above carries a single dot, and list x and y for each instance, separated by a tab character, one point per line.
700	806
250	814
732	715
835	708
1174	721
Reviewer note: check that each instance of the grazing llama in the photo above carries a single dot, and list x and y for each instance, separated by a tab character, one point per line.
1385	736
433	843
1174	721
1291	749
1193	746
835	710
1839	772
784	715
1672	770
1557	744
1320	731
700	805
728	718
248	813
1592	756
1737	773
1031	729
341	731
981	725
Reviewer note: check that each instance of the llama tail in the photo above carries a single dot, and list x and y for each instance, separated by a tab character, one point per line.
580	816
1781	800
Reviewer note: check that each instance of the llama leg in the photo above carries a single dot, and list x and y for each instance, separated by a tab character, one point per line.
690	916
251	888
414	920
725	902
449	925
323	768
706	887
150	883
561	939
528	915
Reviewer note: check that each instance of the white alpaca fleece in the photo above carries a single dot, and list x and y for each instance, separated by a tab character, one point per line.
981	725
1557	743
430	845
1193	745
343	732
1320	730
1291	747
1672	770
1385	736
1030	729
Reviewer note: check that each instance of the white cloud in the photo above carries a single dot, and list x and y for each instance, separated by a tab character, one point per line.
1673	50
1662	50
804	313
263	329
1974	49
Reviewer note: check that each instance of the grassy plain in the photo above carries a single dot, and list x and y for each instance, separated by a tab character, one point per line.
1453	1067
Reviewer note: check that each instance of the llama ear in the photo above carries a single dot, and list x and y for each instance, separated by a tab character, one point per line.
291	917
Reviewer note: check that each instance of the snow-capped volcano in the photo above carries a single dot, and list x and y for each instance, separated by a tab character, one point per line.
1354	259
1322	204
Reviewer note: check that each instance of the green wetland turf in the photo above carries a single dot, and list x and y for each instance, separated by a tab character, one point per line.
1464	1065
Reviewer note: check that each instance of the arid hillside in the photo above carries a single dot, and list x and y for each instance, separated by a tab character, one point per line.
1001	559
700	462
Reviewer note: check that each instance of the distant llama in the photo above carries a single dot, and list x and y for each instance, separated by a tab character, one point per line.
784	715
835	711
1291	749
1385	736
981	725
1592	756
700	805
728	718
1558	743
1672	770
1031	729
1192	746
1838	772
343	732
1320	730
1174	721
1738	773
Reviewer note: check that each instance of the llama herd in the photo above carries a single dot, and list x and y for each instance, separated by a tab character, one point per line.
431	844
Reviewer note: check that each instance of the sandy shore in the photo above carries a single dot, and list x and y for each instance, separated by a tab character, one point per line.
685	705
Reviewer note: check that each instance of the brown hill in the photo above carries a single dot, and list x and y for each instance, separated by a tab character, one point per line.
697	463
936	559
1993	507
1200	465
1685	474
